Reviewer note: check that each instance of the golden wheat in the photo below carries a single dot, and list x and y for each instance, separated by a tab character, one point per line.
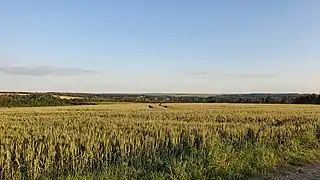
61	141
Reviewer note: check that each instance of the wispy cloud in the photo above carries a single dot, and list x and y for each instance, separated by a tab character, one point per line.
43	71
251	75
209	75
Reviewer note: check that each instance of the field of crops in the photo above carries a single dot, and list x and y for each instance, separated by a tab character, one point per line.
132	141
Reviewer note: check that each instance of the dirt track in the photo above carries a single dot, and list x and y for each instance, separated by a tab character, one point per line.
307	172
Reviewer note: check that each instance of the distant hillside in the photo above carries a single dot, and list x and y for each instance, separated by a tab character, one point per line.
27	94
38	100
276	98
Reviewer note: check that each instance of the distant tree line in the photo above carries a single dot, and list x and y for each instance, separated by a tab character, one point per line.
38	100
268	99
301	99
292	98
47	99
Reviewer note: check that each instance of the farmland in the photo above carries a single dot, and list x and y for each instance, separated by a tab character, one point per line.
132	141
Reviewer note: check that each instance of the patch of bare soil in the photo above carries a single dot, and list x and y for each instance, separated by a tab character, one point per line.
67	97
307	172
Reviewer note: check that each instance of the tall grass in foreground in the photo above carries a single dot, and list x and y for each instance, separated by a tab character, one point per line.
129	141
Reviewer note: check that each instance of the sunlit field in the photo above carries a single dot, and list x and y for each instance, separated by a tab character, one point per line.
133	141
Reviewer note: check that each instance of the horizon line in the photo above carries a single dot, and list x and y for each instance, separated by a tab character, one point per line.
178	93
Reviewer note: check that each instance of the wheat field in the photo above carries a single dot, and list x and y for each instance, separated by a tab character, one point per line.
132	141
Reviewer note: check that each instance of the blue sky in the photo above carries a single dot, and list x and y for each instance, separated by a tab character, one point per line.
205	46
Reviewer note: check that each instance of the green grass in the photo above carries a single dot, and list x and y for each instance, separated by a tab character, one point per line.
131	141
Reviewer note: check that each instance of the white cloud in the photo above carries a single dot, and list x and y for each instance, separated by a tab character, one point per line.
165	82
